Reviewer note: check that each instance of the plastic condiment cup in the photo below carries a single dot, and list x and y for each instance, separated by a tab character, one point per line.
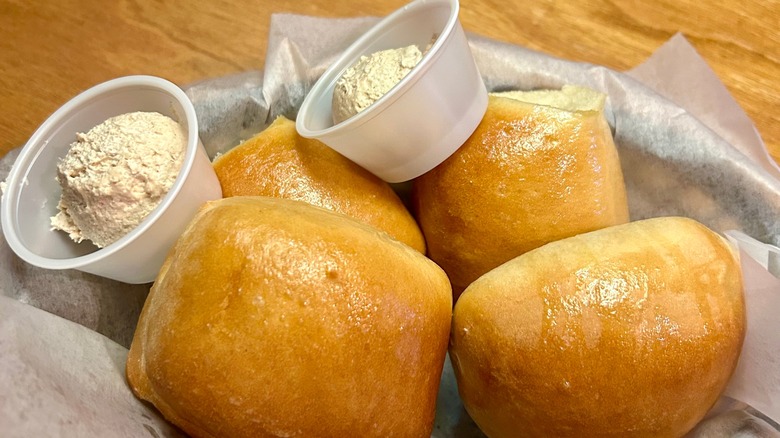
421	121
32	192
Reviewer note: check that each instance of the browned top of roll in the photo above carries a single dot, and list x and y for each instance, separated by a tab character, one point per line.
529	174
279	163
629	331
272	316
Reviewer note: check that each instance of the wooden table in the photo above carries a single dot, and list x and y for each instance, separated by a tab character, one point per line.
50	51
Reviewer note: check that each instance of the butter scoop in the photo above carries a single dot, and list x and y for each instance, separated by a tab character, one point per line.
114	175
370	78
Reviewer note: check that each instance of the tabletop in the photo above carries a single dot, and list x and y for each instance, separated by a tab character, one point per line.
51	51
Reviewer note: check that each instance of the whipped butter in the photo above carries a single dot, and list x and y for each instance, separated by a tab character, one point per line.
114	175
370	78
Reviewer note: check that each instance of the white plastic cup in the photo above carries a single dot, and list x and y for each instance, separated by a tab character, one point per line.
421	121
32	193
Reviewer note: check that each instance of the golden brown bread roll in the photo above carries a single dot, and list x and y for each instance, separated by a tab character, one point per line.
530	174
280	163
629	331
271	317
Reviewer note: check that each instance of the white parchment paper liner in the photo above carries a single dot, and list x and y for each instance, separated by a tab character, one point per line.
62	379
674	164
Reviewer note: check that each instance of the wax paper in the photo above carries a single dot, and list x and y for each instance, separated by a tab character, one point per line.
686	148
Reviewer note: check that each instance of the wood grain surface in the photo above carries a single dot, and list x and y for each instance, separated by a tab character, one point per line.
50	51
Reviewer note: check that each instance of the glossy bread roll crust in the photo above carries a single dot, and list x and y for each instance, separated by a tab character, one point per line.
272	317
629	331
530	174
279	163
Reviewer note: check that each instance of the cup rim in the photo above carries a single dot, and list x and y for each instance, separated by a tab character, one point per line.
355	50
33	146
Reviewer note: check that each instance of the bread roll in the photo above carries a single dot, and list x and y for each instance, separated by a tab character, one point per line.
278	162
271	317
629	331
530	174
